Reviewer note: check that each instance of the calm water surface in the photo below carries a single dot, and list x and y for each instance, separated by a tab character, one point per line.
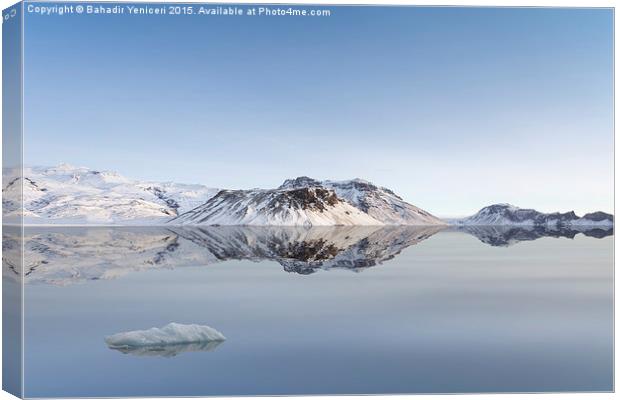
336	311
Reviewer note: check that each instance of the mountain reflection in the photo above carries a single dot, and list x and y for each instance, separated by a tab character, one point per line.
303	250
62	256
504	235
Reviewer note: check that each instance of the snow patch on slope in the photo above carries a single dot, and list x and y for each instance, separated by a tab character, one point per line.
381	203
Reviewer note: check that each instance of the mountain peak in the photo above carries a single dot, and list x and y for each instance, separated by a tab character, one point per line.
501	206
599	216
299	182
360	180
65	168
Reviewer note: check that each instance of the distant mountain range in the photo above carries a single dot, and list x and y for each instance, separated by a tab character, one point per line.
67	195
507	214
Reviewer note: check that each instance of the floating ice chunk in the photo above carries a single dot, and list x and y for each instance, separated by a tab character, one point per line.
171	334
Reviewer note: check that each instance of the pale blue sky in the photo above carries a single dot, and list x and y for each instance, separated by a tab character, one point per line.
451	108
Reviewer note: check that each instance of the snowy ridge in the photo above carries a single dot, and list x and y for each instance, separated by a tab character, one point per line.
76	195
507	214
307	202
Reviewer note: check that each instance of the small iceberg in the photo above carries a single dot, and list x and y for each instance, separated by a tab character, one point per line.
167	341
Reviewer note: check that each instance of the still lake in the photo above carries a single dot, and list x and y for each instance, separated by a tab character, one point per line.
319	311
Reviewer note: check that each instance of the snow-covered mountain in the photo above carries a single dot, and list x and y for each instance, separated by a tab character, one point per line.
67	195
506	214
76	195
307	202
296	207
380	203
